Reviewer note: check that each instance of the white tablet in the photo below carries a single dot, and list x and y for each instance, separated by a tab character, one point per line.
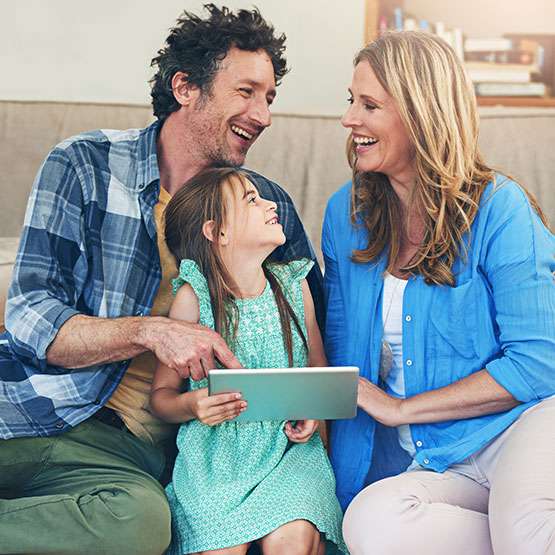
291	393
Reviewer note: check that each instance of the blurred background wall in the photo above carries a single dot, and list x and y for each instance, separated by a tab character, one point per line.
72	50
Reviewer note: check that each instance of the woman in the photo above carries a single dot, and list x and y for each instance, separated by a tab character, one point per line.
439	280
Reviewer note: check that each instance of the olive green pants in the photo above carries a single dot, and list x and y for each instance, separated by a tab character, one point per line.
92	490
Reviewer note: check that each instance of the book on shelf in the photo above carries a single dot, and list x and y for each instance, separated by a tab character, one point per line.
500	72
511	89
545	49
513	56
488	43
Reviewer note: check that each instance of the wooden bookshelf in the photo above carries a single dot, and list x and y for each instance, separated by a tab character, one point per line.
375	8
521	101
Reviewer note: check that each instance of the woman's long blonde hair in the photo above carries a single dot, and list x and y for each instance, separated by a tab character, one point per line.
202	199
437	104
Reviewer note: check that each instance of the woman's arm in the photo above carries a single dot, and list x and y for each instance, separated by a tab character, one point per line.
169	401
516	257
475	395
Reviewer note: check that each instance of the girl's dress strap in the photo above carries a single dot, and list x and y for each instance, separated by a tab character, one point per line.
292	271
289	276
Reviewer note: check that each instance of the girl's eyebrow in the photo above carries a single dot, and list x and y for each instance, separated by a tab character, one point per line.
249	192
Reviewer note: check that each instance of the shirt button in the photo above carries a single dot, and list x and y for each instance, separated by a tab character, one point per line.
97	402
409	362
418	444
408	318
426	461
138	313
141	186
59	426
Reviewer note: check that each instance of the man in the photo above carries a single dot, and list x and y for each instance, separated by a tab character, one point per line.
87	311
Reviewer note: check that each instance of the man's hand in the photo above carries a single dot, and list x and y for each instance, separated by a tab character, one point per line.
190	349
302	431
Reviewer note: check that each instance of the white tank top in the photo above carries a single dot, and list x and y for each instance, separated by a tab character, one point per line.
392	318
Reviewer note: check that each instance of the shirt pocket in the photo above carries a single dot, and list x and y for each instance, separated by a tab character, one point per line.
462	324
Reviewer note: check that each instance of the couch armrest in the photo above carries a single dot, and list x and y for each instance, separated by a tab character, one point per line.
8	249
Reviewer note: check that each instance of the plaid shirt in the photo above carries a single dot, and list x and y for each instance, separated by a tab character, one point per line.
89	247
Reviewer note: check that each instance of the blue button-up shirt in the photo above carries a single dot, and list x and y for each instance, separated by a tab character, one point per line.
89	247
500	315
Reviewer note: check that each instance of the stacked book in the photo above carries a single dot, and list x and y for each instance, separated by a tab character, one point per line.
503	67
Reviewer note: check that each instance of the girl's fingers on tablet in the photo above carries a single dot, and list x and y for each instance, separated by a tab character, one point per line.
226	415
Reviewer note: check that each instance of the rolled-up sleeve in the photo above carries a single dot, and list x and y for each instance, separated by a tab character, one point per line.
519	264
44	289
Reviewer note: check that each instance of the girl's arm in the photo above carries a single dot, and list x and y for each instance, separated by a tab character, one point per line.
304	429
168	399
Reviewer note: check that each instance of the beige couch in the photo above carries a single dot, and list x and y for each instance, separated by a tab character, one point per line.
303	154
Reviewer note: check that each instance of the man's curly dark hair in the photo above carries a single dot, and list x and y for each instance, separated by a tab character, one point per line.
197	47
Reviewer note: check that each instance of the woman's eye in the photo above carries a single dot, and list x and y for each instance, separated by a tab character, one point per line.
369	107
350	100
252	199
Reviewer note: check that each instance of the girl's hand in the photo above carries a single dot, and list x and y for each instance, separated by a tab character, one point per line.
302	431
215	409
378	404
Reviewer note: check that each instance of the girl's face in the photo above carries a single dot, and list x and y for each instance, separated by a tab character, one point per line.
252	222
382	142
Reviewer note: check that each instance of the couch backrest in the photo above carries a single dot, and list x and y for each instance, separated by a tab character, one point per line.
306	155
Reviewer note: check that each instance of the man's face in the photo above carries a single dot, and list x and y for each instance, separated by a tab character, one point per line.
229	117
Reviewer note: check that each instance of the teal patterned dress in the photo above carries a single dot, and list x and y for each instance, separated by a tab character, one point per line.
238	481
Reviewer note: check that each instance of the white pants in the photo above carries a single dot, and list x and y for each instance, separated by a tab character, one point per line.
500	500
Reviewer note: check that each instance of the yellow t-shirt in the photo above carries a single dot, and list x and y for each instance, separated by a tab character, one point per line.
130	400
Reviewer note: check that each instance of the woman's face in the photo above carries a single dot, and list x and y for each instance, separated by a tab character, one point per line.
381	140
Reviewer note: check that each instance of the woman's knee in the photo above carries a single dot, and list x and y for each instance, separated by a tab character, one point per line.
522	497
394	514
525	525
370	513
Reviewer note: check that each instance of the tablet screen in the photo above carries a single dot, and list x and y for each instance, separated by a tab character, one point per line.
323	393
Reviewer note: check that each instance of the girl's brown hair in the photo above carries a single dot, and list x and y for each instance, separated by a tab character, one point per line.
202	199
437	104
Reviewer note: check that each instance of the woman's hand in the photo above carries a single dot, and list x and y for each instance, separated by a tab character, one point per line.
302	431
215	409
378	404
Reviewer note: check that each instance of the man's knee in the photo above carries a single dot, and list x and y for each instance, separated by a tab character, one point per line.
136	520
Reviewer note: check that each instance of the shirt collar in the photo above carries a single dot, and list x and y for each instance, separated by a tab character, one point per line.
148	171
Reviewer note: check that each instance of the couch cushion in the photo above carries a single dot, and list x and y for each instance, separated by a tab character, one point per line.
8	248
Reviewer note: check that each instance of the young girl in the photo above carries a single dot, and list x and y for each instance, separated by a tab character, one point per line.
239	482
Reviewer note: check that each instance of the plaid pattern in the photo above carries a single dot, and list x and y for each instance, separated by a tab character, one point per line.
89	247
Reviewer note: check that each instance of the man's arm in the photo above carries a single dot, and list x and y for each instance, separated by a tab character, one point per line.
190	349
75	277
